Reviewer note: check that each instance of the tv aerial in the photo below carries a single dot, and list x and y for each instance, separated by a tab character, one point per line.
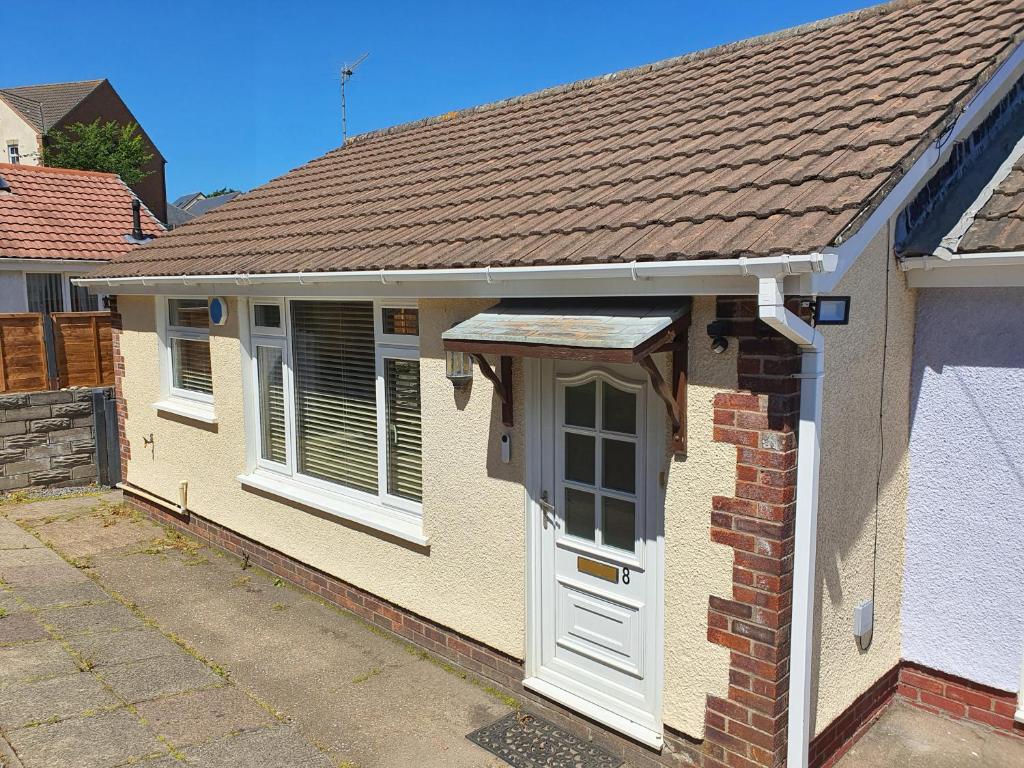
347	70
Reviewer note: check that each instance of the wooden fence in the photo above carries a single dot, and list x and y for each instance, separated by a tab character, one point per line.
64	349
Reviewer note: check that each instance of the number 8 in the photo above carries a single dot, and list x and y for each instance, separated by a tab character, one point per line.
625	575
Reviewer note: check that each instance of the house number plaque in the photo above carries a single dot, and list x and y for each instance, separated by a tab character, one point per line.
597	570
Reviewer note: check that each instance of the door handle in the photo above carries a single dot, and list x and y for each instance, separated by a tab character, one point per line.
546	509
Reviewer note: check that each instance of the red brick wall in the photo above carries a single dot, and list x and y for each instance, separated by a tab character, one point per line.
116	328
960	699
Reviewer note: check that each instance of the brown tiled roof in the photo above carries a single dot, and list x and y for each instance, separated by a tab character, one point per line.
999	225
781	144
56	99
58	213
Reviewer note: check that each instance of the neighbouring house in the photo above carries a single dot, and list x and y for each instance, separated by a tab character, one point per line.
56	224
29	113
194	204
560	388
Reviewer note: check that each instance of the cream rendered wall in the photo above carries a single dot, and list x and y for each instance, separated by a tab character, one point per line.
14	128
472	577
853	443
696	567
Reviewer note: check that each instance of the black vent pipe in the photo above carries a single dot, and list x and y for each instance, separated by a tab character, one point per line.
137	220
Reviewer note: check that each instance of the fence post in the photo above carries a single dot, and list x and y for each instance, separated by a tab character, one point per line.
52	375
99	428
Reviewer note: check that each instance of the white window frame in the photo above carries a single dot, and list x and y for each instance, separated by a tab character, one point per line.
13	153
385	512
182	402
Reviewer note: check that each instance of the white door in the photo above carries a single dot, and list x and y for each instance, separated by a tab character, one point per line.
596	627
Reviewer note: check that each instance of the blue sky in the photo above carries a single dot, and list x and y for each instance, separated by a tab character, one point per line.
235	93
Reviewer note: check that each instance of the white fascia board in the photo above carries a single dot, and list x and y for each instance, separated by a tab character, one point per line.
49	265
972	115
696	277
967	270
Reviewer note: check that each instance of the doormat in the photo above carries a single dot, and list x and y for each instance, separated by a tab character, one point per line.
526	741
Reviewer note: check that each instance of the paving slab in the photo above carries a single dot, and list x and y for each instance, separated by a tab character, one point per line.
24	703
34	661
13	537
199	716
14	559
62	595
82	537
87	619
269	748
43	575
21	627
160	676
101	741
42	510
102	650
907	737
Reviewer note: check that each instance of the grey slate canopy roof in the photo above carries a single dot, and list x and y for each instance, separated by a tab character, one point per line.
55	99
783	144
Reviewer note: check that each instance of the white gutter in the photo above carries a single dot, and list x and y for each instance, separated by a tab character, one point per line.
1007	259
771	309
756	267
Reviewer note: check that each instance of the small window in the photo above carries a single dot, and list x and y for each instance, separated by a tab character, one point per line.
13	154
188	341
267	316
45	292
401	321
82	300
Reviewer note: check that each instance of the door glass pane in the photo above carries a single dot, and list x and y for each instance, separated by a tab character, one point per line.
579	513
619	460
618	526
579	458
269	365
402	385
618	410
580	405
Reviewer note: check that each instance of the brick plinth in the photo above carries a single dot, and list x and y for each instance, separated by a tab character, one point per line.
116	329
833	742
959	699
747	728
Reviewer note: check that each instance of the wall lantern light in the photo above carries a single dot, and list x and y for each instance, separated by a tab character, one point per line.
459	368
832	310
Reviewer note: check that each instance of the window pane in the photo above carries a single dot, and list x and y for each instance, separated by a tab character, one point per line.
401	321
190	362
618	410
335	392
619	460
405	471
579	458
618	524
580	404
270	372
579	513
268	315
188	313
45	292
82	300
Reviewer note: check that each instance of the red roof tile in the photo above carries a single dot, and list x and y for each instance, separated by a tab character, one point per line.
781	144
59	213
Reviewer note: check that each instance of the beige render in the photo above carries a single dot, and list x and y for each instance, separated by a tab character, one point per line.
14	129
472	577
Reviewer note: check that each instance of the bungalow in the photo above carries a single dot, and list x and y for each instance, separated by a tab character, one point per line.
56	224
632	396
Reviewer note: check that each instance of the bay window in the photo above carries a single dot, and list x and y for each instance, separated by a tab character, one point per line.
335	408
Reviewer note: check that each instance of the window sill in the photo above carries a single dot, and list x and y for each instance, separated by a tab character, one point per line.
189	410
375	516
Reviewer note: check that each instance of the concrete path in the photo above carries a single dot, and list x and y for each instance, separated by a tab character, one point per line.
907	737
125	644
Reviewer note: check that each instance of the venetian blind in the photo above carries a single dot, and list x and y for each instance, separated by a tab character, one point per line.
191	365
405	472
335	392
269	366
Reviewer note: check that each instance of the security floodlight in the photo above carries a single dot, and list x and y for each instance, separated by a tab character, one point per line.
832	310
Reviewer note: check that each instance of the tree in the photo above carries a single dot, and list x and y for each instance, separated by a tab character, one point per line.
219	192
100	146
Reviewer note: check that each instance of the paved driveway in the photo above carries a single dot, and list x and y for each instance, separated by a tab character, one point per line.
124	644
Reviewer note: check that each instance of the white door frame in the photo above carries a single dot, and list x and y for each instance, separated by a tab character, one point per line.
535	433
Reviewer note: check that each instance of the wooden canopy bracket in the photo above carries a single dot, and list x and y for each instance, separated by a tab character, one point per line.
502	384
673	393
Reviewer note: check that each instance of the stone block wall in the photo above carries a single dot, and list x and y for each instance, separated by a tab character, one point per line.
47	439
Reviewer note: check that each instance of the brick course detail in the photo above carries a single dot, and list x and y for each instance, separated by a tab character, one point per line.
116	329
960	699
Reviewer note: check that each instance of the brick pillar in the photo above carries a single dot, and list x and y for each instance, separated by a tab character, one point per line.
116	329
748	727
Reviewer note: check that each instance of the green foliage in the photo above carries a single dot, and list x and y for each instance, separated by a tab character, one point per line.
219	192
97	146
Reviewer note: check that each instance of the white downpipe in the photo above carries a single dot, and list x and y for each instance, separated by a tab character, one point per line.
772	311
756	267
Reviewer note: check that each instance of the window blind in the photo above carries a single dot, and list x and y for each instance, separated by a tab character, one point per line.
45	292
269	367
335	392
191	365
404	437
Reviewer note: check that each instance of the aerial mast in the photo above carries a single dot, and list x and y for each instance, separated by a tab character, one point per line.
346	74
